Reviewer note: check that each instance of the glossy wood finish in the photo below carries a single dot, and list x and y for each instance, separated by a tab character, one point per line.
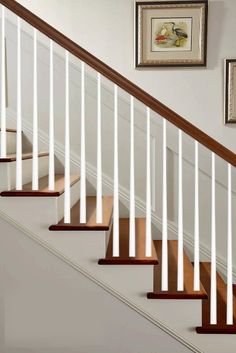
10	130
29	155
221	326
121	81
124	259
172	293
43	188
91	216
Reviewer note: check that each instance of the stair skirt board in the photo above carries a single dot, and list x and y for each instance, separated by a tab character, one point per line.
124	258
173	293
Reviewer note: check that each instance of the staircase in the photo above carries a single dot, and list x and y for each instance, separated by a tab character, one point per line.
80	222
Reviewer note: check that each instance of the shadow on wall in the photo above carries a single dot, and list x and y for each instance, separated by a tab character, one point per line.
215	32
2	320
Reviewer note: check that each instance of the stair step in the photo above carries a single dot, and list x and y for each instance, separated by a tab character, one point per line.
43	188
124	259
221	326
10	130
173	293
91	216
29	155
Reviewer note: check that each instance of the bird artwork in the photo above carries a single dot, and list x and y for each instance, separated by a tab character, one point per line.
171	35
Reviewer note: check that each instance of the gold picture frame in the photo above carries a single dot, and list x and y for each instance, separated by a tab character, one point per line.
230	91
171	33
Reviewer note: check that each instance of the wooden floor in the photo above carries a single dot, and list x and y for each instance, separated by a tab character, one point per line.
221	326
91	216
124	259
173	293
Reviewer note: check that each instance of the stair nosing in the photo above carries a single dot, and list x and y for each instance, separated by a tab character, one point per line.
33	193
115	261
25	156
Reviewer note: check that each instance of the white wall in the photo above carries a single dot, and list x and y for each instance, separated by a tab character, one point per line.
107	142
105	28
46	307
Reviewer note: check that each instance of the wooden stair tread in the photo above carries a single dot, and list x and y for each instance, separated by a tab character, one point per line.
10	130
173	293
91	216
221	326
43	187
28	155
124	258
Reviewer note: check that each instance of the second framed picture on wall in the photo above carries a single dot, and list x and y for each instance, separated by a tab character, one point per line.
171	33
230	91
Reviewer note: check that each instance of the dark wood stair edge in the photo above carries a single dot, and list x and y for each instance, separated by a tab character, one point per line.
11	130
68	227
177	295
29	156
117	261
22	193
214	329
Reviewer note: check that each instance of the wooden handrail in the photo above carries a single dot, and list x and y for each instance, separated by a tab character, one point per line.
121	81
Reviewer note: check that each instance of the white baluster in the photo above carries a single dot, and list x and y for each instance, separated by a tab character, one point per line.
19	117
148	251
164	275
196	222
132	184
35	181
51	179
99	210
3	89
229	318
82	151
213	309
67	213
180	281
115	249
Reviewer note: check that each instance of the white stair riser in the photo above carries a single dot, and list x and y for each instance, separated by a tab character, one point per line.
36	212
11	142
8	172
74	195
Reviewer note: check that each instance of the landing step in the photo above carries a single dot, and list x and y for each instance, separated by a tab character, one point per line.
173	293
12	157
221	326
43	188
91	216
124	259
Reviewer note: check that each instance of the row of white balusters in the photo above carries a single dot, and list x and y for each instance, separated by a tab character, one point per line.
99	209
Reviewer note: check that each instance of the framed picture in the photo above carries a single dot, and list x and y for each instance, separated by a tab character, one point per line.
230	91
171	33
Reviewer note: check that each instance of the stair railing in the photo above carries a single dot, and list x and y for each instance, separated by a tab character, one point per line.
151	104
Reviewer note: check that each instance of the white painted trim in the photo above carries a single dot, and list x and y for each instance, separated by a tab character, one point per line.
100	283
172	138
124	195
